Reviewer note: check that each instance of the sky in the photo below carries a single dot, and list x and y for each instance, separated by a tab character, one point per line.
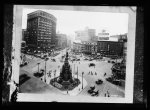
70	21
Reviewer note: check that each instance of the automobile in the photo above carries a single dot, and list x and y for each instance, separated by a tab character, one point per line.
42	57
85	58
95	93
91	64
108	61
92	87
90	59
110	79
53	60
90	91
46	58
117	82
77	59
73	59
24	64
39	74
99	81
112	62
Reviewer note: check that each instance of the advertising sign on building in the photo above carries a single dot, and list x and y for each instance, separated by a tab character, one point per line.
103	38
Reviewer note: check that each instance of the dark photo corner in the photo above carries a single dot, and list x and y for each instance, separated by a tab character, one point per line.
139	95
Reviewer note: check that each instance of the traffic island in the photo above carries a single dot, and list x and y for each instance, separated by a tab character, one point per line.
72	89
65	82
65	85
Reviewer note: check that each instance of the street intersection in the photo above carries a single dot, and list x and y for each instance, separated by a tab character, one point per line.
38	85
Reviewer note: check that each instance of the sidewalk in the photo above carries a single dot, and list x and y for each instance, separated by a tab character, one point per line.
35	85
76	90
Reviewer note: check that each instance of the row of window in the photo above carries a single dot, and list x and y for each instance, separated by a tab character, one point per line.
44	37
40	14
45	25
40	33
34	22
41	40
44	29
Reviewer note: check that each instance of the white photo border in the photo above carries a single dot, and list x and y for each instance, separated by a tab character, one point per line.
16	45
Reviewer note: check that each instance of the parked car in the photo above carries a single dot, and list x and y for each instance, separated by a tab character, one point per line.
90	91
95	93
99	81
91	64
39	74
108	61
117	82
77	59
46	58
85	58
53	60
24	64
73	59
112	62
110	79
90	59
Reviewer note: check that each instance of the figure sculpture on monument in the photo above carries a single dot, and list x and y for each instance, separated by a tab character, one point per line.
65	78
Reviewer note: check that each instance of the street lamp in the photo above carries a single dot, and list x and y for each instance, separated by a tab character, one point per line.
74	69
82	79
45	68
77	74
54	77
38	67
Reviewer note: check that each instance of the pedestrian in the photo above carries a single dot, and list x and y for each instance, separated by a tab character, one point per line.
95	73
107	91
105	94
79	89
91	73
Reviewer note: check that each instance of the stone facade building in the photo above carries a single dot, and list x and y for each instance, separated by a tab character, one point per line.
41	31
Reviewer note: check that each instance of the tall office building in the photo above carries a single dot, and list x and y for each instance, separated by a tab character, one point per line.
86	35
61	41
41	31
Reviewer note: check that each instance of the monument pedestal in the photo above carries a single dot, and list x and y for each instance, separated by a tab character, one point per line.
65	80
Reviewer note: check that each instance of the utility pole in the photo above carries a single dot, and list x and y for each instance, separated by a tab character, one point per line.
54	77
77	73
82	79
45	69
38	67
74	69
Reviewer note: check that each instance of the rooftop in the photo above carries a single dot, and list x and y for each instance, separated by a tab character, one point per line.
38	11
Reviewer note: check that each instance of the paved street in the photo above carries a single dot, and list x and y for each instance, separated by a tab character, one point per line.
37	85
